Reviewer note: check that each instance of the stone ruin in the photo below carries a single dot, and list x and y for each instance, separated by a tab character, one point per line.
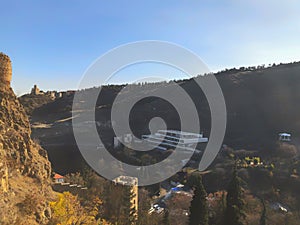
52	94
5	70
36	91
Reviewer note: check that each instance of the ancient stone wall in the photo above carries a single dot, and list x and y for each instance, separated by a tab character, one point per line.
5	69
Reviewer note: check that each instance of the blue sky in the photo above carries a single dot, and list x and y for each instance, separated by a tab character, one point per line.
52	43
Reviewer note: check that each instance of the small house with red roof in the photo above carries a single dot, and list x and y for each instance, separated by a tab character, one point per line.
58	178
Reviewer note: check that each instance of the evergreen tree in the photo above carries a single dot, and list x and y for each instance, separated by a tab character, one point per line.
198	208
166	219
234	203
128	210
263	214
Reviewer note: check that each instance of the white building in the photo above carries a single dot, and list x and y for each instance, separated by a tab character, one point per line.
117	142
170	139
285	137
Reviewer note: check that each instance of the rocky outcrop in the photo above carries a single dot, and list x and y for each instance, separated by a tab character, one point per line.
24	167
5	69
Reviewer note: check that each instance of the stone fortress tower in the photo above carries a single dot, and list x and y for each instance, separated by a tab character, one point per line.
5	69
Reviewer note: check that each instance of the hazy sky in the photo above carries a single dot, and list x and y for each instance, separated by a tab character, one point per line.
52	42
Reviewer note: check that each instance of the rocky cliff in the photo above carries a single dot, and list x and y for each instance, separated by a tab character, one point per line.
24	167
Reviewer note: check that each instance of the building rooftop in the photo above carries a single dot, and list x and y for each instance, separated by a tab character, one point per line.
58	176
285	134
180	132
126	180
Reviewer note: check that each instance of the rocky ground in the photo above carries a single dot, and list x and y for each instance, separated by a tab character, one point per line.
24	167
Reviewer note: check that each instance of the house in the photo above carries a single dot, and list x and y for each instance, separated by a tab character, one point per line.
285	137
58	178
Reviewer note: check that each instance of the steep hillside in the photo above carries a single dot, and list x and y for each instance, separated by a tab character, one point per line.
24	166
32	102
261	102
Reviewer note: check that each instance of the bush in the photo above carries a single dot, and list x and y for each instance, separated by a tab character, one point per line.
29	205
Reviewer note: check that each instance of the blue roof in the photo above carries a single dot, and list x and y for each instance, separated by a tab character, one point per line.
176	189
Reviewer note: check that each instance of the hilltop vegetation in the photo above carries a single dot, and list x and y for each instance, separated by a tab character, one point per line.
261	102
